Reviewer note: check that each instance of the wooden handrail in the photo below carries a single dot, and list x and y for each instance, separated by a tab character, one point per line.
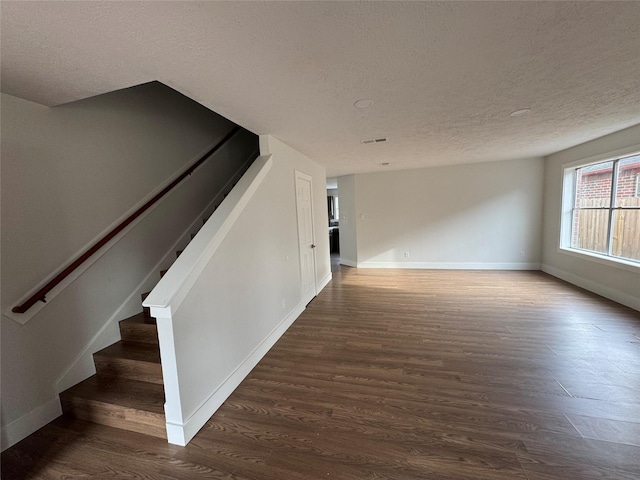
41	294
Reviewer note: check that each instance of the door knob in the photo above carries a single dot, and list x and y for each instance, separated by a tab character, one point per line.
313	246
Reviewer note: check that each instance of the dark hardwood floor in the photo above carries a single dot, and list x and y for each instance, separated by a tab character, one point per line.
408	374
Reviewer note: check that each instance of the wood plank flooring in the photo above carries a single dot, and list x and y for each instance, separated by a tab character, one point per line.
401	374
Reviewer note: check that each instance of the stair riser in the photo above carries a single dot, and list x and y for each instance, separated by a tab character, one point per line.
145	334
115	416
147	310
131	369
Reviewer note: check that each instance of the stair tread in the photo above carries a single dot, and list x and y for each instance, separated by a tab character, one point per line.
132	394
140	353
138	318
139	329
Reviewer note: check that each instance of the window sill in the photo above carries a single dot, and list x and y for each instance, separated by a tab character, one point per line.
603	259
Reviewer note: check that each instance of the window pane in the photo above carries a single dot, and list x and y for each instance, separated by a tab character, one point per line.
627	194
593	185
590	229
626	234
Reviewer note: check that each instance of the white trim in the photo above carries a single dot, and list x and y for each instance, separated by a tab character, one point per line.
23	318
614	262
304	177
566	207
324	282
27	424
602	290
181	434
451	265
568	195
173	403
83	365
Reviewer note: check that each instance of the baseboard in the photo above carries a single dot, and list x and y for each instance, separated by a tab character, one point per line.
182	434
324	282
83	366
451	265
597	288
27	424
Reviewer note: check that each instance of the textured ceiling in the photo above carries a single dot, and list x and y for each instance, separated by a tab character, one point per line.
444	76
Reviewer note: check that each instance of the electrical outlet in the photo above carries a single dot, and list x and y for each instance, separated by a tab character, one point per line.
406	254
521	253
284	304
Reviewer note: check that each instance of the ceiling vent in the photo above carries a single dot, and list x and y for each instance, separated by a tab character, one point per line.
374	140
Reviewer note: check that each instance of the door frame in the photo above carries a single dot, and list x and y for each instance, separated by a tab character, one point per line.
298	175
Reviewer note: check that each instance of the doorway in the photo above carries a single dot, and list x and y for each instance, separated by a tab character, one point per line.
333	211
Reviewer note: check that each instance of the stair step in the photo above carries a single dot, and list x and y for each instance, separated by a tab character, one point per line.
135	362
139	329
120	403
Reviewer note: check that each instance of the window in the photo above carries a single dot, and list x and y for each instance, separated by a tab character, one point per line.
601	203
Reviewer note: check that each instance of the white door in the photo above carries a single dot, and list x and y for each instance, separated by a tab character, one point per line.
305	236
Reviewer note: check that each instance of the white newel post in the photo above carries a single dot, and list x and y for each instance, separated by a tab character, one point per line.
172	407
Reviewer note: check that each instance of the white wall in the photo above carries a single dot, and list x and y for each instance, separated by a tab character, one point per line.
286	161
69	173
348	230
247	292
483	215
621	284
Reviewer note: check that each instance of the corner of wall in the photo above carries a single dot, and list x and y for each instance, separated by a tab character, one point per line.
324	282
29	423
265	145
593	286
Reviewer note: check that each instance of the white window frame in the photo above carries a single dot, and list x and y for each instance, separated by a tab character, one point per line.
568	200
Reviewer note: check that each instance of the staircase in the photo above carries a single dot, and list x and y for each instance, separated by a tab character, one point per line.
127	390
